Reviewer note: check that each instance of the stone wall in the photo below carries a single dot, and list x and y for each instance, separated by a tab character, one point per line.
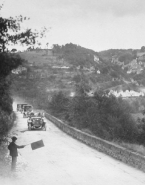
131	158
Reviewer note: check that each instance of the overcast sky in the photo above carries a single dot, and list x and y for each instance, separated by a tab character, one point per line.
94	24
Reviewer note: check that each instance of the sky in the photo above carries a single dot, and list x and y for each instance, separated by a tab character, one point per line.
93	24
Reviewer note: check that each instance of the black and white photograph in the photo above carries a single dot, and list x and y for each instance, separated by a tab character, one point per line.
72	92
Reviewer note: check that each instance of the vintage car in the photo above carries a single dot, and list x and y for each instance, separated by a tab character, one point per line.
36	123
27	109
20	107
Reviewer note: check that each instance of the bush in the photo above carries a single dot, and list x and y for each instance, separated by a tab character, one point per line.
106	117
6	122
141	135
58	104
8	62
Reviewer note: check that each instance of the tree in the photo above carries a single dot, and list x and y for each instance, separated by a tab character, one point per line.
8	62
114	74
11	34
142	49
126	57
56	48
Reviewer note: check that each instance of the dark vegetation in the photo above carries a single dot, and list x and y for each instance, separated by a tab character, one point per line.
8	62
10	33
123	55
106	117
77	55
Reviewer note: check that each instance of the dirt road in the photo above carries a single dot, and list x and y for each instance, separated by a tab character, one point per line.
63	161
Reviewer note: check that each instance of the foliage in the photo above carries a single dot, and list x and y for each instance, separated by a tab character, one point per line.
8	62
11	33
58	103
106	117
9	29
6	65
114	74
75	55
76	78
142	49
105	70
126	57
122	54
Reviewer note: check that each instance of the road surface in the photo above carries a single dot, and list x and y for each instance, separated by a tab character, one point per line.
63	161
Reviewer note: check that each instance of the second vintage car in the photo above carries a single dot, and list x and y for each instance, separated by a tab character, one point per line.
27	109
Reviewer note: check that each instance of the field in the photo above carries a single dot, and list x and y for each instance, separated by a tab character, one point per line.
38	57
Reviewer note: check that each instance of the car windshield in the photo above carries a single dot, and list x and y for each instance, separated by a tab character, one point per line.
36	118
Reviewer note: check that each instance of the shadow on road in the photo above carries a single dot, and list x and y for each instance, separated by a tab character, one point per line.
22	131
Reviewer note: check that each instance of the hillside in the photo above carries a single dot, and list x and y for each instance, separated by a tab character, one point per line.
38	57
118	69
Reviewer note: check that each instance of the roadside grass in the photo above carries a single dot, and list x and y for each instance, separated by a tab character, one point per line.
140	149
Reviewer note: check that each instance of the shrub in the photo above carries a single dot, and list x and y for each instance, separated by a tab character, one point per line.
106	117
58	103
6	122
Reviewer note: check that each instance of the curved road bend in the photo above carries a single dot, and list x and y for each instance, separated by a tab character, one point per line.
65	161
